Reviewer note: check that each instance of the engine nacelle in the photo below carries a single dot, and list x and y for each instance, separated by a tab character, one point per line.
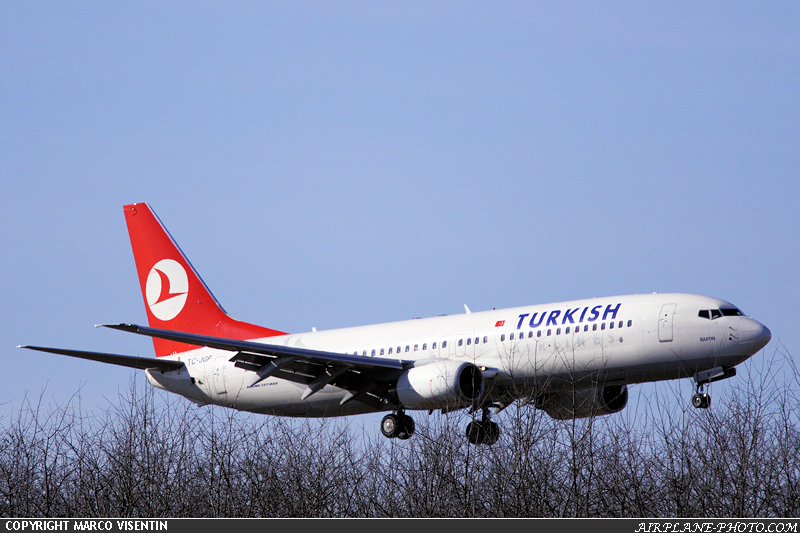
440	384
567	405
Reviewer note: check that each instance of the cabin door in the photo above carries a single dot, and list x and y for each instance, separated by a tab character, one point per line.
665	322
219	377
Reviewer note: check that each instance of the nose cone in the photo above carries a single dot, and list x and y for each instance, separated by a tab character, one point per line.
753	335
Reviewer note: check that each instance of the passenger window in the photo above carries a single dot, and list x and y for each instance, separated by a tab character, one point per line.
567	332
424	346
620	324
594	327
603	326
586	327
433	346
365	353
485	340
530	334
630	323
407	348
502	337
477	340
469	341
558	331
381	351
399	349
539	333
390	351
511	337
415	347
549	332
373	353
444	344
461	342
611	325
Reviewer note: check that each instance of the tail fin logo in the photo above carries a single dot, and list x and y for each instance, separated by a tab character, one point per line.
167	289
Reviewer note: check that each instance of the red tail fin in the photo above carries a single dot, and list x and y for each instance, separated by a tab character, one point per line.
174	295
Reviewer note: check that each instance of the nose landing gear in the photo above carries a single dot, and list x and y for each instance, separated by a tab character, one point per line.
701	399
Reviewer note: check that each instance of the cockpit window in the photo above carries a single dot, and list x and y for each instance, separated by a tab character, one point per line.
716	313
731	312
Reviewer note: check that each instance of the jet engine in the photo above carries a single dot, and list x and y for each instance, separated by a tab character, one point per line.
440	384
566	405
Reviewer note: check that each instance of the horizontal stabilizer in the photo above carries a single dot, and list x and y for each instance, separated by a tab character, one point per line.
142	363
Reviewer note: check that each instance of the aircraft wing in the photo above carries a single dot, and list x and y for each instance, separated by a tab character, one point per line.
142	363
367	379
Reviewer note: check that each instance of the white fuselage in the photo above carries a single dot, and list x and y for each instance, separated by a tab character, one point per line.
540	348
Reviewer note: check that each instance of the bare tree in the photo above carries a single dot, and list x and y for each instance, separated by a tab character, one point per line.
152	455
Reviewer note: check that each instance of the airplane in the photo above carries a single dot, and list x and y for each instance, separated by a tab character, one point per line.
571	359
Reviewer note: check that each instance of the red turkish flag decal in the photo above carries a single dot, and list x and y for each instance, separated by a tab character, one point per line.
499	323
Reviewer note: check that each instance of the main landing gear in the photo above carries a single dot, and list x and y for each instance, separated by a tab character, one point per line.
398	425
483	432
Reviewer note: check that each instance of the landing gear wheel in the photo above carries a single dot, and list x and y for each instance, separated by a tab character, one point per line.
475	433
398	425
483	432
701	400
406	427
491	433
390	426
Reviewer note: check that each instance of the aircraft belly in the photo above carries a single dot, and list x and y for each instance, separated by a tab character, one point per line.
282	397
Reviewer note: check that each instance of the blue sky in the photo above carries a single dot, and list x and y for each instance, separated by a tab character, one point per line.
336	164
